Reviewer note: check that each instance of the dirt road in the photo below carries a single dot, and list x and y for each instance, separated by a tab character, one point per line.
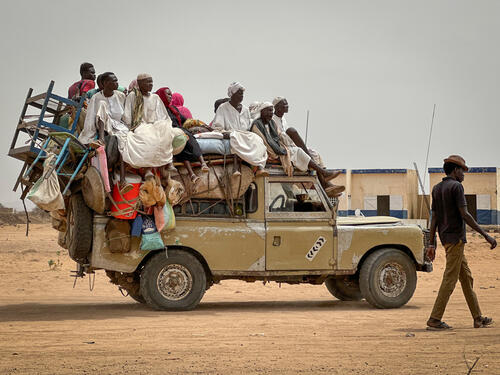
47	327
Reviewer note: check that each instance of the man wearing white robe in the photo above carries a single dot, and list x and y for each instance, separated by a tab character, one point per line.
107	109
149	142
294	142
234	119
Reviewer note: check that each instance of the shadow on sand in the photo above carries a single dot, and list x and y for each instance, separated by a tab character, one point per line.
31	312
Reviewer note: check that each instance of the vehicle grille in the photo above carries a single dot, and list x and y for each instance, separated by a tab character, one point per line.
427	237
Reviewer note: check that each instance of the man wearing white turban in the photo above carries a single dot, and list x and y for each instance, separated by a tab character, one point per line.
293	140
149	141
233	119
279	146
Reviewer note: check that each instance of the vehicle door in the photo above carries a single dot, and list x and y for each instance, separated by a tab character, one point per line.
299	230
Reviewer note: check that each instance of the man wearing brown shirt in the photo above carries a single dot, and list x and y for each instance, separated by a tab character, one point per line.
449	215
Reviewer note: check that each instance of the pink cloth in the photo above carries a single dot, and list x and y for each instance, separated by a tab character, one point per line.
159	217
103	167
178	102
132	85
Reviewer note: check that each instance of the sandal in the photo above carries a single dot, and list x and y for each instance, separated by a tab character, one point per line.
482	321
440	326
204	168
195	179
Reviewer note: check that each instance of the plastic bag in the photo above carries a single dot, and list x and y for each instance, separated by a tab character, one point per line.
164	217
46	192
169	215
151	238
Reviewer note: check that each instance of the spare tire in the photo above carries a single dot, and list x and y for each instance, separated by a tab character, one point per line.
79	229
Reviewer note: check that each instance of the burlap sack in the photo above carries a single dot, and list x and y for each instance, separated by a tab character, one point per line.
118	236
210	185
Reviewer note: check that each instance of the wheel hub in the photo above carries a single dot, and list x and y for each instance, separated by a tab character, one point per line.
392	280
174	282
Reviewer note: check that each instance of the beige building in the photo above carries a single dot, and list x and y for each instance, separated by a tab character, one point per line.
482	186
387	192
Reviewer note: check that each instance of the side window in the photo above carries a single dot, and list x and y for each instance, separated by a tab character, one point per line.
251	198
294	197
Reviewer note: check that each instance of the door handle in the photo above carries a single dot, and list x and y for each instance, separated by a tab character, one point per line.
277	240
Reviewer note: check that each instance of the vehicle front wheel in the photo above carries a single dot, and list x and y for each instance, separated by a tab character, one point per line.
174	283
388	278
344	288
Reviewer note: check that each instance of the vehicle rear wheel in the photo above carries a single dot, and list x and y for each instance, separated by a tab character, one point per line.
130	282
79	229
344	288
388	278
175	283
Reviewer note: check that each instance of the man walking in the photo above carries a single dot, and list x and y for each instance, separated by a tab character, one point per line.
449	215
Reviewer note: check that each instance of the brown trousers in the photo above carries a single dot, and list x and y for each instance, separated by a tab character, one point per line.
456	269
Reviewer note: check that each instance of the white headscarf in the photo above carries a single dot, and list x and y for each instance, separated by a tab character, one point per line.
258	109
143	76
253	108
278	99
233	87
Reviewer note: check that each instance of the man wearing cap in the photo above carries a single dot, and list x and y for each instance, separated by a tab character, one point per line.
449	215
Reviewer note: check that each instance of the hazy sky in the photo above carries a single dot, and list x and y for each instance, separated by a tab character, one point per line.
368	71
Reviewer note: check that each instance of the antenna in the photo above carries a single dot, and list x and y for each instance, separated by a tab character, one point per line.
307	125
427	156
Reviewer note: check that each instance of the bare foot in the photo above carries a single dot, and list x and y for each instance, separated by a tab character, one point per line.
334	190
262	172
330	174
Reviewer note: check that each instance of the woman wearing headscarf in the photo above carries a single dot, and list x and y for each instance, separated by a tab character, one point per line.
178	102
191	151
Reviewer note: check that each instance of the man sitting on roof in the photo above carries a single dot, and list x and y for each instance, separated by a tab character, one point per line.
86	83
291	137
104	111
149	141
99	87
233	120
289	154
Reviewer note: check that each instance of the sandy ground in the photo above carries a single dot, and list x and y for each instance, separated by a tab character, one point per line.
49	327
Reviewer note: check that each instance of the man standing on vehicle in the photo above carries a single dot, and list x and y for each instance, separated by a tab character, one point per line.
449	215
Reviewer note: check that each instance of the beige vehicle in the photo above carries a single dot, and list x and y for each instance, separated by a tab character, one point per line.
283	229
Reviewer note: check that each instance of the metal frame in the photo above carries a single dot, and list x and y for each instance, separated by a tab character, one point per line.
295	216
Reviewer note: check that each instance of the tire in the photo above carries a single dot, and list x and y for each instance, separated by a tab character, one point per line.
130	282
344	289
185	274
137	297
388	279
79	229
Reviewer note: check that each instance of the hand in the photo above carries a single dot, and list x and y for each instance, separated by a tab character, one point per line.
491	241
430	251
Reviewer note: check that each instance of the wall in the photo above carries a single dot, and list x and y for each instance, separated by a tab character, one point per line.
342	180
482	182
366	183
